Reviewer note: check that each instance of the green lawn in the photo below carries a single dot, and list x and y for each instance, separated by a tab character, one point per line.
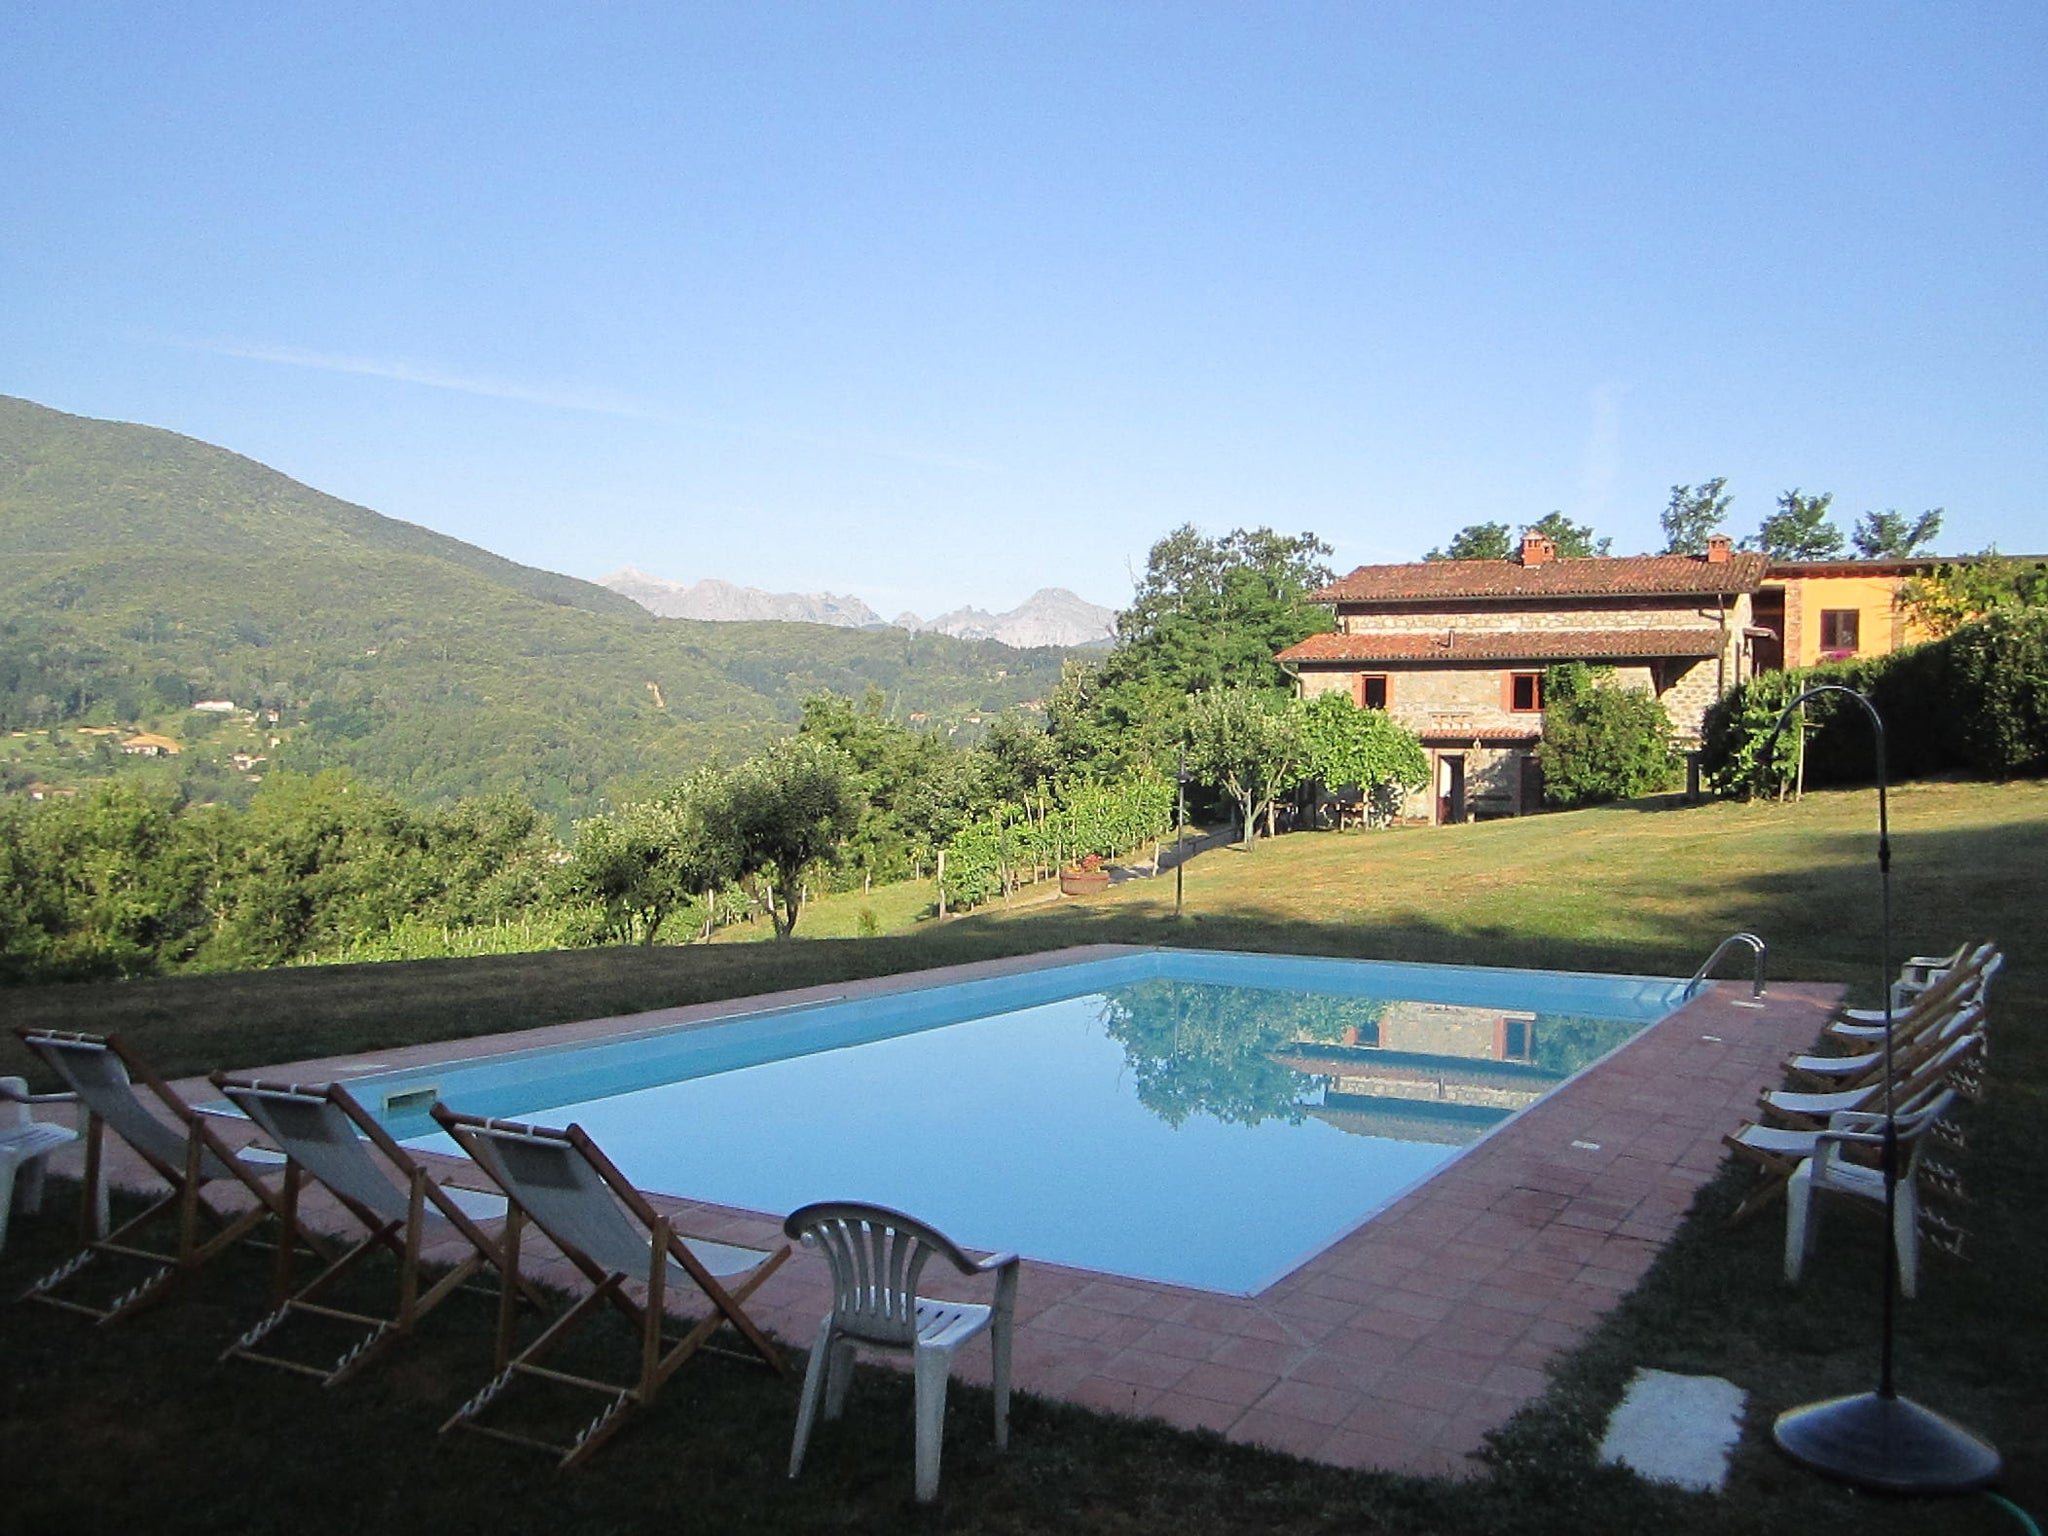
1635	888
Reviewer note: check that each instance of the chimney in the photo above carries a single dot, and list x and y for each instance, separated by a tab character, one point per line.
1719	547
1536	549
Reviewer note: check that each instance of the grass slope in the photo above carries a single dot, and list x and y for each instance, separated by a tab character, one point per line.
1620	889
140	570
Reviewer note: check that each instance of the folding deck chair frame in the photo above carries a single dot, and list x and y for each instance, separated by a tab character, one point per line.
397	1205
187	1158
667	1250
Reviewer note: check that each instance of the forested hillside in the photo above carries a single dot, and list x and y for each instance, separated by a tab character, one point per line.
142	571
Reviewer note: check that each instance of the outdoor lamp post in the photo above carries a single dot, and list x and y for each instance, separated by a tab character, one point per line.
1180	826
1879	1439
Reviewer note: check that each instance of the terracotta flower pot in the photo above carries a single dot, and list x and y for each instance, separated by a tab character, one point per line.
1083	882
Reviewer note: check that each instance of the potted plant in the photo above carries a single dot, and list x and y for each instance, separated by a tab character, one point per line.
1084	877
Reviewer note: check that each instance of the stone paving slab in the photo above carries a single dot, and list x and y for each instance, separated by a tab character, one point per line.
1401	1345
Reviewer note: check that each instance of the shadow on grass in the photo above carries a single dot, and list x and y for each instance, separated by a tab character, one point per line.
142	1428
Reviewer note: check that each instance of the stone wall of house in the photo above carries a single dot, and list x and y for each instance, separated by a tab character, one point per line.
1686	700
1478	694
1313	683
1493	780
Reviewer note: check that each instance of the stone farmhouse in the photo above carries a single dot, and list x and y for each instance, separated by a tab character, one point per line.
1455	650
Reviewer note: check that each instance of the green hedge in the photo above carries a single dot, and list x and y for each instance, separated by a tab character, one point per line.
1976	701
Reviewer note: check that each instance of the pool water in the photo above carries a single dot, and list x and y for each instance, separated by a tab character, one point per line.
1198	1119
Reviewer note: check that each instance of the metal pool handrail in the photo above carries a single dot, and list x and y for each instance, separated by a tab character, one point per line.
1722	948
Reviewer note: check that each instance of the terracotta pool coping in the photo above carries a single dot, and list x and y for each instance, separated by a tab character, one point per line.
1400	1345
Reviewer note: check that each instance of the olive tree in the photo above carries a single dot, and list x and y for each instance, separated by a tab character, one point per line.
1248	745
642	862
785	811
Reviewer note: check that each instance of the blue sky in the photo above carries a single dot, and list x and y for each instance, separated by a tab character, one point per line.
938	304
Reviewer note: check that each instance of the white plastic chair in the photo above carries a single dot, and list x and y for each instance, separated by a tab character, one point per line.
25	1144
877	1256
1828	1169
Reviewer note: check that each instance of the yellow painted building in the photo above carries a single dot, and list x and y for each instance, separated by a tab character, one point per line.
1810	611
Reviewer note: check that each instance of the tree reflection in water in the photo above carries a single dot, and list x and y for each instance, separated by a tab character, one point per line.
1194	1047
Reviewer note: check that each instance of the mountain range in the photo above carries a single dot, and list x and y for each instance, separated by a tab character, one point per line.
142	571
1050	616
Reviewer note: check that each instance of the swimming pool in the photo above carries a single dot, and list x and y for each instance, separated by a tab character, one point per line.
1194	1117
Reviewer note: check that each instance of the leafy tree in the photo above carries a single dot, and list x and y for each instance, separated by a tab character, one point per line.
107	884
1574	541
1076	721
1246	744
1954	594
1887	535
1475	541
786	811
647	860
2001	674
888	761
491	857
1695	512
1012	761
1601	741
1211	612
1208	613
1343	745
1799	529
322	860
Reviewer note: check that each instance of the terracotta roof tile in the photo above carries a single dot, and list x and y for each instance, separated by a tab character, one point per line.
1605	576
1508	645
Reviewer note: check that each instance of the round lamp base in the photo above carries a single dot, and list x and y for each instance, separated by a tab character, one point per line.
1887	1443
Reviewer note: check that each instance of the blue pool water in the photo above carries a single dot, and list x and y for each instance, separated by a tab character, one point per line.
1198	1118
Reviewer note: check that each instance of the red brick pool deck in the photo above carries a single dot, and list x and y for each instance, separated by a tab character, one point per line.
1403	1343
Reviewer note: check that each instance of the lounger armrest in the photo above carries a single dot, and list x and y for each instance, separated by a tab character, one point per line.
997	1261
14	1097
1849	1138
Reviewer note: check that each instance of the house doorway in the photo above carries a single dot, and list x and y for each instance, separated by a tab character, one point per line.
1531	786
1450	802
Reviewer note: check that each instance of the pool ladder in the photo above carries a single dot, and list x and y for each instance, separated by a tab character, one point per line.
1722	948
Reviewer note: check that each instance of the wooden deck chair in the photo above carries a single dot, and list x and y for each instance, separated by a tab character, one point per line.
560	1181
1858	1027
1849	1033
1919	972
1920	1034
187	1154
327	1136
1777	1151
1961	1039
